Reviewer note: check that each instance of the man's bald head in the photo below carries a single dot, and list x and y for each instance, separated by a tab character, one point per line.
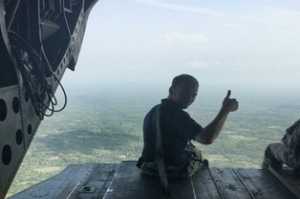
184	90
184	79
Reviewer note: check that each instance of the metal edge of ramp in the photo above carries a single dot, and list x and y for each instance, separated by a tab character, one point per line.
289	182
76	180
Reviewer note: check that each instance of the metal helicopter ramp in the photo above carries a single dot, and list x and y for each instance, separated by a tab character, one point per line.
124	181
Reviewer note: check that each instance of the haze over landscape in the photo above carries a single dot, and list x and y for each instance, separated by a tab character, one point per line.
131	51
242	44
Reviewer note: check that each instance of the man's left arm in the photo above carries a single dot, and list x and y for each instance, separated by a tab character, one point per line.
213	129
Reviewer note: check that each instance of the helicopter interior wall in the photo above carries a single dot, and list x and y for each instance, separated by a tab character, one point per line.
73	11
56	43
7	73
21	42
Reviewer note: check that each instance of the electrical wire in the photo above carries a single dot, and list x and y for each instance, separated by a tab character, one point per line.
35	77
14	14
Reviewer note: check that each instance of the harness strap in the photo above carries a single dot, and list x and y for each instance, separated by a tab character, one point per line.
159	154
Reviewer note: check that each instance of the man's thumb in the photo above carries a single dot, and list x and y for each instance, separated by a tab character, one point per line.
228	94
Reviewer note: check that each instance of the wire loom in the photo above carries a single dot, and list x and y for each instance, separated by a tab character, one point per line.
36	70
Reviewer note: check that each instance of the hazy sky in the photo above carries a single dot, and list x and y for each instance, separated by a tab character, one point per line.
223	43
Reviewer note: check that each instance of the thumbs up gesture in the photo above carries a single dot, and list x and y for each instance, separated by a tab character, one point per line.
230	104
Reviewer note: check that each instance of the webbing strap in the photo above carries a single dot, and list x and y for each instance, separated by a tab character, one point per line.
159	154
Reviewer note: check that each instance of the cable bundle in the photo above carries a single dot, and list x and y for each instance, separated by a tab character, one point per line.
36	69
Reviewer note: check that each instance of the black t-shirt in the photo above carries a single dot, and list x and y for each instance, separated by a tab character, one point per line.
177	129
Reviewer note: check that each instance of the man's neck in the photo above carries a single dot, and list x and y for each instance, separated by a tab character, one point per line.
173	100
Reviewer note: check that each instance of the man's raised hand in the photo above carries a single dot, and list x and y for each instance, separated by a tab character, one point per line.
230	104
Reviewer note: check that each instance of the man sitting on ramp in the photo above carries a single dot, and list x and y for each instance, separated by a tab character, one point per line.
168	130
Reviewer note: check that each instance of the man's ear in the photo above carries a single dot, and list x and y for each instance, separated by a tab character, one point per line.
171	90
